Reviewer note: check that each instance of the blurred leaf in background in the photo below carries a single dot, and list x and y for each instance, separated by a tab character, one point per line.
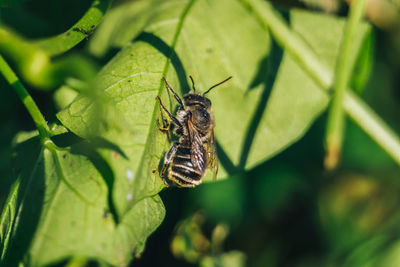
191	244
90	193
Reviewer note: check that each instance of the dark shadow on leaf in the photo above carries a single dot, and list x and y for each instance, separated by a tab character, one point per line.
88	263
69	139
60	263
28	165
268	69
88	150
66	139
100	142
261	73
225	161
170	53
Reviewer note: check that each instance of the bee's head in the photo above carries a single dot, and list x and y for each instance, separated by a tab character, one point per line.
199	107
201	117
194	99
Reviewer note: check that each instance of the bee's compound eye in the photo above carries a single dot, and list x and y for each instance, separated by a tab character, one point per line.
204	115
201	118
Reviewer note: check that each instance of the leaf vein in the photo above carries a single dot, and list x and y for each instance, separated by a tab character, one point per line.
167	63
62	176
127	77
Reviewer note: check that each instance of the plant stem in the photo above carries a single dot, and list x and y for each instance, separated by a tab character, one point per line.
35	66
32	59
31	62
290	42
364	116
344	69
26	99
63	42
372	124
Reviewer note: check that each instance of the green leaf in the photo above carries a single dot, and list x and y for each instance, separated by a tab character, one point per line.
364	64
121	25
269	104
132	80
296	100
59	208
229	259
7	217
56	45
64	96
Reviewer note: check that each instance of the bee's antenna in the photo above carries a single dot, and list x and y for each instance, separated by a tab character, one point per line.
194	89
227	79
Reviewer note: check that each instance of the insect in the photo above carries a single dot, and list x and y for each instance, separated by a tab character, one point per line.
195	151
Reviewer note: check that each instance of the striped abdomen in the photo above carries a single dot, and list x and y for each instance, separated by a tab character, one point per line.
181	169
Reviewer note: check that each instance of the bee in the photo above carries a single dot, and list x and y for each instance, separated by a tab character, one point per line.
195	151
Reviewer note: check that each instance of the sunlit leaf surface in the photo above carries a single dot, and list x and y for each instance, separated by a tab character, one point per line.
99	198
268	104
59	208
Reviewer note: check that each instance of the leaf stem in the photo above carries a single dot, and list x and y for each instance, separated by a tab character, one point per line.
63	42
31	62
26	99
290	42
32	59
363	115
344	69
35	66
165	71
8	214
373	125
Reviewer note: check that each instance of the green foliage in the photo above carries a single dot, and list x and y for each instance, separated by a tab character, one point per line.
231	259
61	43
192	244
364	64
131	85
87	188
61	201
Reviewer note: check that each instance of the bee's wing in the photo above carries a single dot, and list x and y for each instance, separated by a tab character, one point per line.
212	156
197	150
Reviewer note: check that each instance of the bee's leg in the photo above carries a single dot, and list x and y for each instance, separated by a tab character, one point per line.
168	159
173	92
165	125
165	182
175	120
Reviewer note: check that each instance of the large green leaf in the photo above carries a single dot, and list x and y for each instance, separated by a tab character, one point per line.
59	208
56	45
268	105
179	36
98	199
121	25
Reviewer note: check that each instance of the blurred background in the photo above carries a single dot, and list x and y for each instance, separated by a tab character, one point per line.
288	211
